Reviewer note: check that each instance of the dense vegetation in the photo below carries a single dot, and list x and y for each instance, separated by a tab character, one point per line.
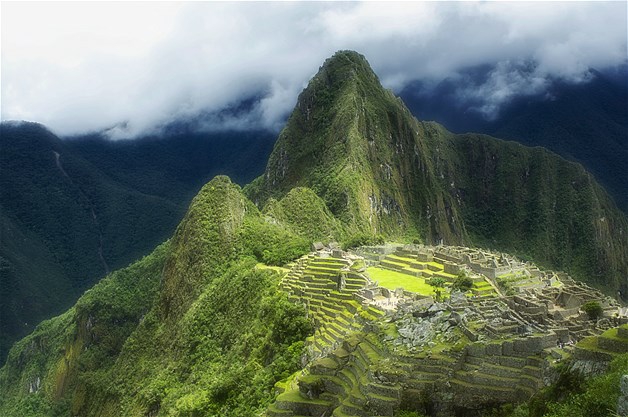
381	172
195	328
585	122
89	336
199	327
119	199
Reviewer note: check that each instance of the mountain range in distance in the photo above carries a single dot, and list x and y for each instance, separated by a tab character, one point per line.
74	210
204	325
585	122
115	190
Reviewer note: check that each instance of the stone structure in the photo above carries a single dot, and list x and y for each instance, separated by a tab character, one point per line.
377	350
483	262
622	314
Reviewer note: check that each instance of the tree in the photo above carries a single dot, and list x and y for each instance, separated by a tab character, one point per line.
436	282
593	309
462	283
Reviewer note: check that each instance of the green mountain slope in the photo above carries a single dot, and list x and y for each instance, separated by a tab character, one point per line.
64	225
586	122
73	209
344	141
380	170
174	333
200	328
531	202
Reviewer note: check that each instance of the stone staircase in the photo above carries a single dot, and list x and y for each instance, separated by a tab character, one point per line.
342	384
326	287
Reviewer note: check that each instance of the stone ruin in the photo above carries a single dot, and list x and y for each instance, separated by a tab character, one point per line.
377	350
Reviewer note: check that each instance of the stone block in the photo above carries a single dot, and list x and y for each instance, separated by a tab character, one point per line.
494	349
562	334
451	268
317	246
424	257
533	345
368	294
476	350
614	345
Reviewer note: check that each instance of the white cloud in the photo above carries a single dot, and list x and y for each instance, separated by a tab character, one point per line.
78	67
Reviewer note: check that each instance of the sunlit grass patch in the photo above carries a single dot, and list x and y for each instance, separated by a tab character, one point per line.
392	280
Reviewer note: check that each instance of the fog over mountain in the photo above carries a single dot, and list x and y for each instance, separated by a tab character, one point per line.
134	68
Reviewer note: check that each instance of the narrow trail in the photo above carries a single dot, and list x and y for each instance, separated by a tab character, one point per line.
91	209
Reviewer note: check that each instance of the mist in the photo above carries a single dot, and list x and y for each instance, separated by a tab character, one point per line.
131	69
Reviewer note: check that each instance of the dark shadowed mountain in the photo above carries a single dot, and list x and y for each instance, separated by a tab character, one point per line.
175	166
72	211
584	122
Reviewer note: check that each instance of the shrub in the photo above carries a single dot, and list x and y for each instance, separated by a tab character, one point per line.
462	283
593	310
436	282
362	240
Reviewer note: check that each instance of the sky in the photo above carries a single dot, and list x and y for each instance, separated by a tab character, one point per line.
131	68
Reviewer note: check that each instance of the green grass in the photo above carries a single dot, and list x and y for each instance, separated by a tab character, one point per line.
295	397
392	280
280	270
403	259
613	334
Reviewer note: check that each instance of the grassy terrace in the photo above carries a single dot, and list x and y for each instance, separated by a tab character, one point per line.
278	269
392	280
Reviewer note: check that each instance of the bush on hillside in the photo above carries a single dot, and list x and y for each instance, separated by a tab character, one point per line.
593	309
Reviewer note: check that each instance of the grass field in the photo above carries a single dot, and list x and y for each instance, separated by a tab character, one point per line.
277	269
392	280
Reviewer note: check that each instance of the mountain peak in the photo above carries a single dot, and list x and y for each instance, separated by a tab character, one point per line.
342	140
347	62
340	69
380	171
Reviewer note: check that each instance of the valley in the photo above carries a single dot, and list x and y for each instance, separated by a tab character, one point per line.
379	266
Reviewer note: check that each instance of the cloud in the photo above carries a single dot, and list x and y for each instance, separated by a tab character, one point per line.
133	67
506	81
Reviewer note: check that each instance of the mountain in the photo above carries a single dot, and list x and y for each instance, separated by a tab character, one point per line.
233	310
73	210
585	122
197	312
65	225
178	163
383	172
